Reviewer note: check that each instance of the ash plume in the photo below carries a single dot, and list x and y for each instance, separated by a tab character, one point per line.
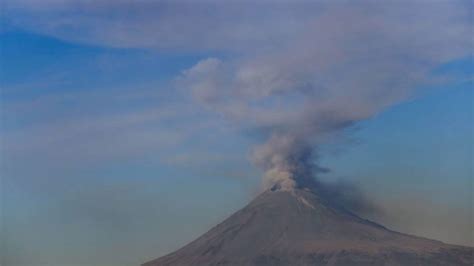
346	65
286	161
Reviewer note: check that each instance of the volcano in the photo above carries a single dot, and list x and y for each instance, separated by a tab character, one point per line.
301	227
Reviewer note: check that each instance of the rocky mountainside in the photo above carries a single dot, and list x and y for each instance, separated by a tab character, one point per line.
298	227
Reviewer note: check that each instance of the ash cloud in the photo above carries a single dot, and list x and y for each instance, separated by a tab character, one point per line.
298	73
348	64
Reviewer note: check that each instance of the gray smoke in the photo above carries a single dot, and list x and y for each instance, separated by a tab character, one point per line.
346	65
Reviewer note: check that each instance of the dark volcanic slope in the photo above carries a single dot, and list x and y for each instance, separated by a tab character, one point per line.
299	228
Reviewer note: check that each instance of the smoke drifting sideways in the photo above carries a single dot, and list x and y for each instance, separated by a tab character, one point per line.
346	65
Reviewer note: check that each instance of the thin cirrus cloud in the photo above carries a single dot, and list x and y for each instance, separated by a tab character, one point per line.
83	141
168	25
229	26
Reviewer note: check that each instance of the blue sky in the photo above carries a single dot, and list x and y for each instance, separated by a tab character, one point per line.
117	131
61	209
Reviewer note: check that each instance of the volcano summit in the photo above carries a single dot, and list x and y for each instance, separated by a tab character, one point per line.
300	227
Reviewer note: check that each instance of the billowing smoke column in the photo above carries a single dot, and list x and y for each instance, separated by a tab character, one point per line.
287	162
288	156
344	66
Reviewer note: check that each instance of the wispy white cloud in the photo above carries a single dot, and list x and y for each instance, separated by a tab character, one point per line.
227	25
86	140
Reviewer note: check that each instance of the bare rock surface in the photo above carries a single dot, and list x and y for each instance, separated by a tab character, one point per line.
298	227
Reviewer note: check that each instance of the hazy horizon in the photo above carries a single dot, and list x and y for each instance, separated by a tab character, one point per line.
130	128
